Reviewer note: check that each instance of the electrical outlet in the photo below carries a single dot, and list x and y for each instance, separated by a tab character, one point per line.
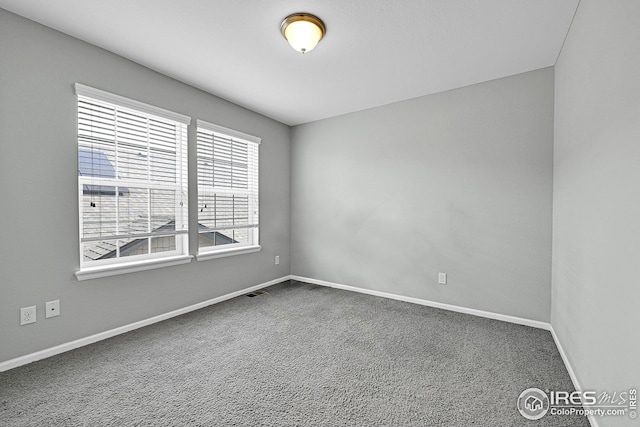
27	315
442	278
277	261
52	308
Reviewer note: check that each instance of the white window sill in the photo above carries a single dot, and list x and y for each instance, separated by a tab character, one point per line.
132	267
204	256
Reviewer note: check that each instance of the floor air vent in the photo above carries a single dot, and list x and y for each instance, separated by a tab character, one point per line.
254	294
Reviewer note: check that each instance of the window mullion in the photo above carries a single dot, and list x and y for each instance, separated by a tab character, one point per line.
149	221
232	183
117	173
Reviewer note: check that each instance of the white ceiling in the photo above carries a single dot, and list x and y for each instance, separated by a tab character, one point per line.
375	51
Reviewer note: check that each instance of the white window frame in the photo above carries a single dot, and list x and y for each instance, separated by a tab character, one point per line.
213	252
113	266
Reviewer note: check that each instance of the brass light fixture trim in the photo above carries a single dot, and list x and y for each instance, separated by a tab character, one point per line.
302	17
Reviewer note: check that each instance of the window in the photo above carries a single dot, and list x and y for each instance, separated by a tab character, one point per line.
132	184
227	191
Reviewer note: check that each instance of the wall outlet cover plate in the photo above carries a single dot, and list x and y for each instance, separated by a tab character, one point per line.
442	278
27	315
52	308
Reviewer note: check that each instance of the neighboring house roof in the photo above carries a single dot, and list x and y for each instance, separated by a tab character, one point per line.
214	236
132	215
105	249
130	245
99	212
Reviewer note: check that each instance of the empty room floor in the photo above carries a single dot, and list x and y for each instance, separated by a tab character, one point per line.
296	355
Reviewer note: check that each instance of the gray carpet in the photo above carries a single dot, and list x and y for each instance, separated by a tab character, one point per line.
297	355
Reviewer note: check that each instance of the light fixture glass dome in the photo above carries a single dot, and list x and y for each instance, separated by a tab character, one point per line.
303	31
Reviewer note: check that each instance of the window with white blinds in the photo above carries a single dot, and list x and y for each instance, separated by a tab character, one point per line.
227	189
132	180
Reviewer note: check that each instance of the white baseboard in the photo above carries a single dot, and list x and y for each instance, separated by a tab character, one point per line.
43	354
511	319
574	378
490	315
23	360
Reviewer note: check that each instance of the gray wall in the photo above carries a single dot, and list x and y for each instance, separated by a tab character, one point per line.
596	213
458	182
39	197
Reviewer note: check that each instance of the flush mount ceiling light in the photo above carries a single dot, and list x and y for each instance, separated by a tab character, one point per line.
303	31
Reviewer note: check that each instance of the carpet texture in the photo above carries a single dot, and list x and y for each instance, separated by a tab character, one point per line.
297	355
